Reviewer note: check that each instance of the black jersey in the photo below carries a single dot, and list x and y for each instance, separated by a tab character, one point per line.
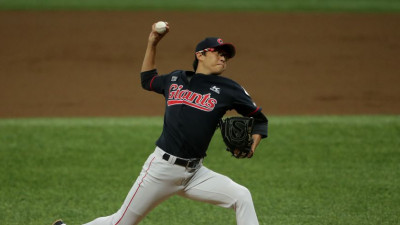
194	105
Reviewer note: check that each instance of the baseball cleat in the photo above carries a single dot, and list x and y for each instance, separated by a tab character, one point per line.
59	222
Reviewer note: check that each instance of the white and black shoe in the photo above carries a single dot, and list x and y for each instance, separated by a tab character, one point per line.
59	222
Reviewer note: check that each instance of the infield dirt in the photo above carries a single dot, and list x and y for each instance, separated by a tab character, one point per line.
62	64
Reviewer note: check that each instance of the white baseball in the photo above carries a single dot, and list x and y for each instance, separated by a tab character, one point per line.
161	27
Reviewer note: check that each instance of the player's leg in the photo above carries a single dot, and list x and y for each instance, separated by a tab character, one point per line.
211	187
152	187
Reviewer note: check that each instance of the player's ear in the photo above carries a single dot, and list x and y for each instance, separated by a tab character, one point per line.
200	55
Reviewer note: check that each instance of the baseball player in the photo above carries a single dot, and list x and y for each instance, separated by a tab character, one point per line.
195	101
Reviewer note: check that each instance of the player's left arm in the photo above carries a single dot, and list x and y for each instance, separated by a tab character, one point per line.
256	141
245	106
260	130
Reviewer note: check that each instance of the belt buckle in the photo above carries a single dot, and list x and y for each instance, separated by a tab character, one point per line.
187	164
195	164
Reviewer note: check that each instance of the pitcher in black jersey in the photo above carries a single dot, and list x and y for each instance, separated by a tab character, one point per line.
194	103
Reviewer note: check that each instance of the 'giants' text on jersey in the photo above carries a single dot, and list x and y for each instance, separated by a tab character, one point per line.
178	96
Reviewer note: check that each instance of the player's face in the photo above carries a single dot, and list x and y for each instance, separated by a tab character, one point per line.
214	62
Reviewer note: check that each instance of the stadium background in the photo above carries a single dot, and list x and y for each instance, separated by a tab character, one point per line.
76	126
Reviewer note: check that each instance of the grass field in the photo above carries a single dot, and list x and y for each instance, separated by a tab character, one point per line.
228	5
311	170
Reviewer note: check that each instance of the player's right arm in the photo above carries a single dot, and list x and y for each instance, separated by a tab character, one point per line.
149	61
149	75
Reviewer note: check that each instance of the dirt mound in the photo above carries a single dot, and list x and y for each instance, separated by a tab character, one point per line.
87	63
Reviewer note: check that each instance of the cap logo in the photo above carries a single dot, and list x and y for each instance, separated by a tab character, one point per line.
220	41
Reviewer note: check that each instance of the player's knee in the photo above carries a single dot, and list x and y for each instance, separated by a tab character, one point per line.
243	196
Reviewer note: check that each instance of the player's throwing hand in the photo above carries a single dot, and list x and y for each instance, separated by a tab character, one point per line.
155	36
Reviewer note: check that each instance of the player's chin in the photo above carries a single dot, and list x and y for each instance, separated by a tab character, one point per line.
219	71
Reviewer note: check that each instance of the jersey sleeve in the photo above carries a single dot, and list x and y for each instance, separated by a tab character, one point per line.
243	103
151	81
260	124
245	106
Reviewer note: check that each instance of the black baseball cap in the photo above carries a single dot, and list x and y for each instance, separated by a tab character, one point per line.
210	43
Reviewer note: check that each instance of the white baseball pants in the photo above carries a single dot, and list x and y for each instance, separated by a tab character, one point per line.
160	179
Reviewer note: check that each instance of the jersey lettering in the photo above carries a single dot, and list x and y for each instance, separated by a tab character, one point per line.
177	96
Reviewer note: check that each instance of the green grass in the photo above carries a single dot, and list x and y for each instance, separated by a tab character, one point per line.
207	5
311	170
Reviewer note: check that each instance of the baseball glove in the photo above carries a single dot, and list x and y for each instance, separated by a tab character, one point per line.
236	133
